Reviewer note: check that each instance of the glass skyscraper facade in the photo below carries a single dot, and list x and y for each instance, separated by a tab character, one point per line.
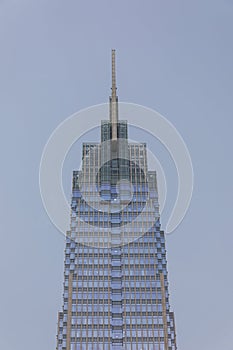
115	277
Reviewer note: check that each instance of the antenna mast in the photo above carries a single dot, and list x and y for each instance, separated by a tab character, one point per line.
114	99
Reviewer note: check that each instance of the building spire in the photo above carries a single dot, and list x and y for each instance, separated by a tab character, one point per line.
114	88
114	100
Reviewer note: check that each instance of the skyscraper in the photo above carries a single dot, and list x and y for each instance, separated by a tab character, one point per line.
115	277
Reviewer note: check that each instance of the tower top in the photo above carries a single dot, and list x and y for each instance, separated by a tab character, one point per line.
114	88
114	99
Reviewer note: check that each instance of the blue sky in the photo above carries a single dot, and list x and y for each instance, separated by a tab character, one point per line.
173	56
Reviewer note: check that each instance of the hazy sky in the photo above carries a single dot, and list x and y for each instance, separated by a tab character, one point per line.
173	56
